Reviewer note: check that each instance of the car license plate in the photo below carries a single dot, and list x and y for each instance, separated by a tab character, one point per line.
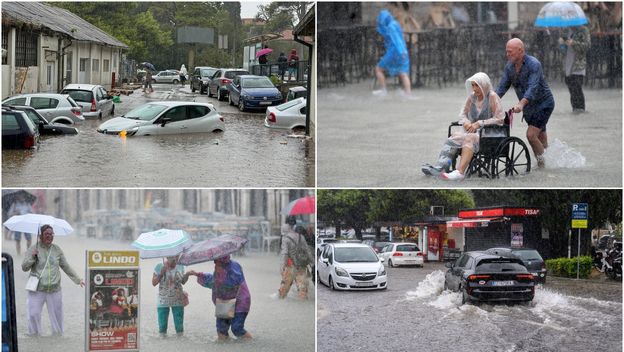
503	283
364	284
265	103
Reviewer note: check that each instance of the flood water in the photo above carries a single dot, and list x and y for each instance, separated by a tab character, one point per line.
276	325
417	312
247	154
370	141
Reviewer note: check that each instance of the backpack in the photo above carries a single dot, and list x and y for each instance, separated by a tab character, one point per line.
301	257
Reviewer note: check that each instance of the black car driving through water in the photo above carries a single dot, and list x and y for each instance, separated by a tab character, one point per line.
480	276
530	257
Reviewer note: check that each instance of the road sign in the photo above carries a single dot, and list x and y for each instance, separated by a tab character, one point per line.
579	215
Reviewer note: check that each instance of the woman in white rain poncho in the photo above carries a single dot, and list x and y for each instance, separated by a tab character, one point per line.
482	107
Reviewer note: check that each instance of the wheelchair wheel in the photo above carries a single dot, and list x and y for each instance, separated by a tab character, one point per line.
512	158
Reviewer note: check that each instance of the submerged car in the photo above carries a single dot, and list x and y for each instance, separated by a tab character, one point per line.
530	257
166	117
402	253
253	92
94	99
59	108
290	115
46	128
351	266
18	132
483	277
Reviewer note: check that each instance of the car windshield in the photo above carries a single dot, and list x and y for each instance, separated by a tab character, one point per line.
528	254
145	112
355	255
259	82
289	104
407	248
208	72
84	96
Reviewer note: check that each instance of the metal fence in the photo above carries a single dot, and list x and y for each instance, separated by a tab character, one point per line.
299	74
441	57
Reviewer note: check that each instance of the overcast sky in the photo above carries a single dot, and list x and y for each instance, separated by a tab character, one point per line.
249	9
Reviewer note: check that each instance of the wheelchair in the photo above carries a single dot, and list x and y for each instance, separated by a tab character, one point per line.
497	156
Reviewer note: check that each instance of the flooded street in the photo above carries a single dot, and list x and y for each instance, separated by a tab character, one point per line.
565	315
276	325
368	141
247	154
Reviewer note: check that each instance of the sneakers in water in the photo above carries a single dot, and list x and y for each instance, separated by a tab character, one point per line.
406	96
452	176
541	162
431	170
380	93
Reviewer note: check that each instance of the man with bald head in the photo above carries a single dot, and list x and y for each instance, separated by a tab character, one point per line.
524	73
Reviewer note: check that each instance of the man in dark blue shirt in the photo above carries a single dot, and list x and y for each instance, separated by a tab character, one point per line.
524	73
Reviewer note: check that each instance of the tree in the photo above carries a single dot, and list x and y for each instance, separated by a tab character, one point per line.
279	16
344	207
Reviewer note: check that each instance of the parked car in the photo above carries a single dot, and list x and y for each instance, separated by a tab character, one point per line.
530	257
253	92
351	266
18	132
201	78
379	245
166	117
58	108
94	99
166	77
43	126
402	253
290	115
296	92
480	276
221	79
321	243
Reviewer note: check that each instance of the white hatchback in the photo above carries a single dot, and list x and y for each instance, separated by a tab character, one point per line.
166	117
402	253
351	266
289	115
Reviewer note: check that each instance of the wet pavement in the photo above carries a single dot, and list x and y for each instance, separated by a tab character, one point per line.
415	313
247	154
368	141
276	325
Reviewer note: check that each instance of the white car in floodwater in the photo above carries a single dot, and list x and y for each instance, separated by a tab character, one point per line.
289	115
351	266
166	117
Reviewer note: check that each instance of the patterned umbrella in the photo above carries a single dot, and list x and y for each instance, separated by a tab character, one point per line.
31	223
560	14
305	205
162	243
212	249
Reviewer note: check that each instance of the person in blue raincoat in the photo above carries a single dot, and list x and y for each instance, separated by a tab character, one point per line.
396	59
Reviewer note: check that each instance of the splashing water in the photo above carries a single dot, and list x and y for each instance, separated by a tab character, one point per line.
432	285
559	154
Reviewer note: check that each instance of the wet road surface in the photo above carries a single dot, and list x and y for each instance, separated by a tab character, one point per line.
368	141
247	154
276	325
415	313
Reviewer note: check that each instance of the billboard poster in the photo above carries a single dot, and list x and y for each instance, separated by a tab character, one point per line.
112	301
517	233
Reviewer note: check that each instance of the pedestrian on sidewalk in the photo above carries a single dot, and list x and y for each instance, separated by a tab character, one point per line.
574	46
183	73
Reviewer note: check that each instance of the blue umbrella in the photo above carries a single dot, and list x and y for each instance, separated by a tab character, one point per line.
561	14
148	66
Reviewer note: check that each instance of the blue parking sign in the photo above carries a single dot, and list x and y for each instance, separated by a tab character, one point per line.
579	215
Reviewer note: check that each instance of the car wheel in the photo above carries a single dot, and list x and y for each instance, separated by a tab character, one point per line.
465	298
391	263
209	92
113	110
100	116
241	104
330	283
201	90
230	99
175	81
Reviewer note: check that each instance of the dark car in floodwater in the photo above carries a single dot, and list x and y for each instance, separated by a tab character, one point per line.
483	277
46	128
530	257
18	131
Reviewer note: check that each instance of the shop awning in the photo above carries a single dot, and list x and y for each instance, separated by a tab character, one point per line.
483	222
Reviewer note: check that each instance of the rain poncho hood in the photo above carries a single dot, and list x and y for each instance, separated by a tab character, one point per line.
480	79
390	29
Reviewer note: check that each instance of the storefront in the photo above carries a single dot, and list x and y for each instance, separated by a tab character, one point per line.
434	238
485	228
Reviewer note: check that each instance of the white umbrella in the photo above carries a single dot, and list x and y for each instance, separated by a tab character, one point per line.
162	243
560	14
31	223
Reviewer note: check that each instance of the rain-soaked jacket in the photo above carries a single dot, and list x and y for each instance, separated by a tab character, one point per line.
395	60
50	274
575	58
488	111
227	282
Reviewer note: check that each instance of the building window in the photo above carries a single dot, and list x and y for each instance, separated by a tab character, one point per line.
5	44
83	65
68	68
26	49
105	66
96	65
49	75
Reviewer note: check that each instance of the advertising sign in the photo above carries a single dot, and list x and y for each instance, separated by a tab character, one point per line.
112	301
517	235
